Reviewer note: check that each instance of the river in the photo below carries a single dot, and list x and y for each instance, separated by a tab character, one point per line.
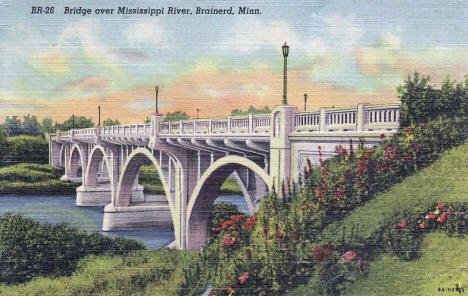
61	208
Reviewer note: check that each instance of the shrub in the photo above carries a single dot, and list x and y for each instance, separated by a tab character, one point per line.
26	149
28	248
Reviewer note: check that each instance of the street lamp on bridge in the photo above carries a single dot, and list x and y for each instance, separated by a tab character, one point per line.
285	49
99	115
305	102
156	98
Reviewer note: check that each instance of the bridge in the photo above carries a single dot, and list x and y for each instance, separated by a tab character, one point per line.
193	158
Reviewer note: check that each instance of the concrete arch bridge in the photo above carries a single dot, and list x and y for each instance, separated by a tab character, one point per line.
193	158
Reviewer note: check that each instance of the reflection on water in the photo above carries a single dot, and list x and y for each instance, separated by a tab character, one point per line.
55	209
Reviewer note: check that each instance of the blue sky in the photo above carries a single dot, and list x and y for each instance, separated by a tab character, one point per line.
342	53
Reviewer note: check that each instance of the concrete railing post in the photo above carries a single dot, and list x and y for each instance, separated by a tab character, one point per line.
280	145
229	124
210	126
323	120
250	124
360	118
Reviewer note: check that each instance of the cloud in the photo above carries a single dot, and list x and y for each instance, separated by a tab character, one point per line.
52	62
145	33
343	30
87	84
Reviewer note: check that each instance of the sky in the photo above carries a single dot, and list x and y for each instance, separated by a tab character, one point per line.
341	53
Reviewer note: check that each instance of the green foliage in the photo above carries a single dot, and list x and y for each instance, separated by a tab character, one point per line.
176	116
110	122
251	110
221	213
149	179
29	126
160	272
26	149
230	187
28	178
80	122
421	102
28	249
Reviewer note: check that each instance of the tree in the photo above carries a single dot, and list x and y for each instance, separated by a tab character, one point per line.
31	126
421	102
47	125
110	122
3	144
176	116
251	110
13	126
80	122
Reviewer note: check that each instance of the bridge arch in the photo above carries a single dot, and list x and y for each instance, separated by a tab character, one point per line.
206	191
76	162
97	155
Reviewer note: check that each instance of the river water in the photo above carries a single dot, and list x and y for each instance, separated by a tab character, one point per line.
61	208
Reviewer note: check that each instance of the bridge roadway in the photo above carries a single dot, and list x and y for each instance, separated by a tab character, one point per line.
193	158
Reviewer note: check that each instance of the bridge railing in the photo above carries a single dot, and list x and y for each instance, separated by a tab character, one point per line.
129	130
375	117
252	124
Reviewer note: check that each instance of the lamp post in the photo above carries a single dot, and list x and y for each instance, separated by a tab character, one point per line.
73	121
99	115
285	49
156	102
198	113
305	102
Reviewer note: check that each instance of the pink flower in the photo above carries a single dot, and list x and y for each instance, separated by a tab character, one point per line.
382	136
243	278
402	224
348	256
431	216
440	206
218	229
423	225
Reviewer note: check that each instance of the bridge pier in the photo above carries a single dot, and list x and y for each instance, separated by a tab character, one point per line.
136	217
100	196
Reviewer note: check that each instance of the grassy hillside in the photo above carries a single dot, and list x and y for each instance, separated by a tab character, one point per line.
443	261
161	272
443	264
446	180
26	178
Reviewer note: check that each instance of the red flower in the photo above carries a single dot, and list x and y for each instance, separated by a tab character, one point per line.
441	219
324	173
348	256
423	225
218	229
307	204
265	230
421	126
284	245
440	206
431	216
408	131
247	251
448	212
278	233
271	236
228	276
302	209
402	224
229	289
382	136
212	292
243	278
320	253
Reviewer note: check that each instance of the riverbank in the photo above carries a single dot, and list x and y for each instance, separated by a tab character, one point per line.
26	178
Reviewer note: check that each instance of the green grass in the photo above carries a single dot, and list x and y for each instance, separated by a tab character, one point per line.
443	263
446	180
161	272
26	178
230	187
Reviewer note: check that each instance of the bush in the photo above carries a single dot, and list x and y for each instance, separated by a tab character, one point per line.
26	149
28	249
